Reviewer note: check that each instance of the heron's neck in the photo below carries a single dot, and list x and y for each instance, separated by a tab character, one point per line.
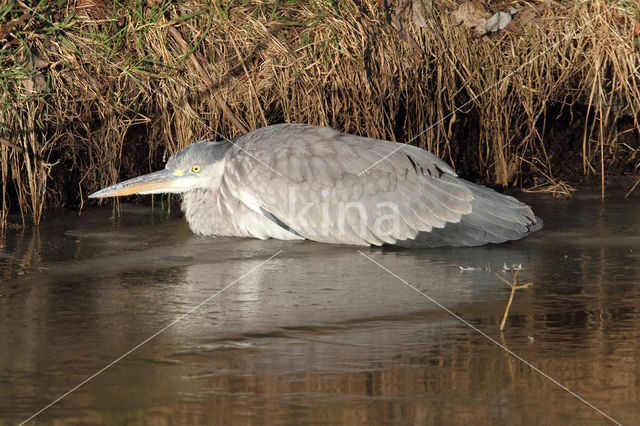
200	210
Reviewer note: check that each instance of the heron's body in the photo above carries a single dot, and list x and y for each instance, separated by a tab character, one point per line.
293	181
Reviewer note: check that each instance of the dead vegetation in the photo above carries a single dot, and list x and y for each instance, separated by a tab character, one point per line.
96	91
514	287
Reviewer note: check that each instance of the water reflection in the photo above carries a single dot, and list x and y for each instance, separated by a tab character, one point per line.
318	333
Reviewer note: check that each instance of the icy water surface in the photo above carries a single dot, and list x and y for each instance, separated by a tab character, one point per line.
311	333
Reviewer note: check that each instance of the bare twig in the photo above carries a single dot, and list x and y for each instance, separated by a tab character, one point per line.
11	145
514	286
632	189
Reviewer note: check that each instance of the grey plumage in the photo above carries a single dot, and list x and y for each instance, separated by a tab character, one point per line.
293	181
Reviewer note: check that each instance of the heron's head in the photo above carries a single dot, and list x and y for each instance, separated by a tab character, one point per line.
198	166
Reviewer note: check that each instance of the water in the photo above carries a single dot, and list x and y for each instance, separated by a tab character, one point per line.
318	333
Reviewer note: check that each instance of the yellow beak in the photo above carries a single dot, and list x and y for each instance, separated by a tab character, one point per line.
163	181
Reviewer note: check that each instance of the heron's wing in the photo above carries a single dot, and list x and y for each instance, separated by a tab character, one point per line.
329	186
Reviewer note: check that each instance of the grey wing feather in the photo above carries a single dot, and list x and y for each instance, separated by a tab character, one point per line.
321	184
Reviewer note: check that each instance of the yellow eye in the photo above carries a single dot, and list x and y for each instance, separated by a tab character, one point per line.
195	169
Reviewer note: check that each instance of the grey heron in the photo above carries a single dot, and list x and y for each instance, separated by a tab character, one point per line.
296	181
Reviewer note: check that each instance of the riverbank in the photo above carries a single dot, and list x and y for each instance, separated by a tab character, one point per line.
93	92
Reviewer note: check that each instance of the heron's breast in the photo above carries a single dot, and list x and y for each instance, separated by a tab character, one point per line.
216	213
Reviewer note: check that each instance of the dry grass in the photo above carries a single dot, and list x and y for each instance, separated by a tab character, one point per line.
94	92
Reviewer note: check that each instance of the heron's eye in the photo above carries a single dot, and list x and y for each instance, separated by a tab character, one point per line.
195	169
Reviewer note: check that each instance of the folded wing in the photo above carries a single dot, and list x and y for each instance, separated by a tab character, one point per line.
332	187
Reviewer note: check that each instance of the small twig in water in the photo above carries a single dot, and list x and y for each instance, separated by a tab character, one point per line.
514	286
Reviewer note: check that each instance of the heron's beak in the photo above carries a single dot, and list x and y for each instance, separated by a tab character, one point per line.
164	181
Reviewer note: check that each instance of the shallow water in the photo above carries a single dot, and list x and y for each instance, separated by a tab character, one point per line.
312	333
